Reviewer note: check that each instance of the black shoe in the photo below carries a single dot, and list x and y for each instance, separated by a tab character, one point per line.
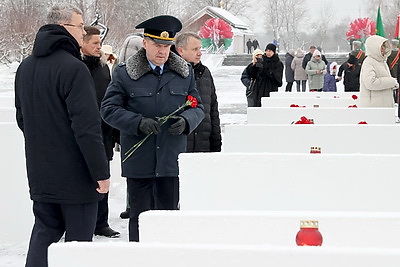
125	214
107	232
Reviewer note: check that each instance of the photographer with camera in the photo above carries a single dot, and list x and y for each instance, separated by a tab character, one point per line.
247	81
267	74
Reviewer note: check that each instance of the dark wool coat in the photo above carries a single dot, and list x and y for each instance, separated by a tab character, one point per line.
101	77
207	136
57	112
351	78
268	76
136	91
289	73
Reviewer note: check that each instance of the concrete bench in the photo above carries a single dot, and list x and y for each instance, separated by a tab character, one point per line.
289	182
298	138
307	102
315	94
287	115
197	255
7	101
7	114
15	203
339	229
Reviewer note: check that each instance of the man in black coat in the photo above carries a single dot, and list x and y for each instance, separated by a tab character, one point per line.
152	84
101	77
65	156
267	74
207	136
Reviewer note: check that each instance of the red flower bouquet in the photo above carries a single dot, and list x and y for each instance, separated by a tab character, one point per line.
304	120
354	97
296	106
191	101
353	106
362	122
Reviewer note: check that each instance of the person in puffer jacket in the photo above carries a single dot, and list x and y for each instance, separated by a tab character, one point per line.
376	83
330	78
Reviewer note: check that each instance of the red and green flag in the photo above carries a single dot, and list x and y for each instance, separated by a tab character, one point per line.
397	31
379	24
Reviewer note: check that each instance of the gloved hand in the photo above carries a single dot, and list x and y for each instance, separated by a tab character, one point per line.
177	127
148	125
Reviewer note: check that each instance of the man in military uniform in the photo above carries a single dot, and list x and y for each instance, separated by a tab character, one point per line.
393	62
357	52
151	84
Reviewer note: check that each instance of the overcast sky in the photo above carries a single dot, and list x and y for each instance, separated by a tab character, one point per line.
343	8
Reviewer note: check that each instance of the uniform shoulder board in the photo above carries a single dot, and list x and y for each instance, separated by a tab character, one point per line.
121	64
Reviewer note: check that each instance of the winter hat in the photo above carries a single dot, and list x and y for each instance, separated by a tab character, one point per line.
356	44
271	46
291	51
316	53
352	60
257	52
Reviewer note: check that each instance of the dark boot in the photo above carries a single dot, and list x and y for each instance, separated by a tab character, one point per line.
125	214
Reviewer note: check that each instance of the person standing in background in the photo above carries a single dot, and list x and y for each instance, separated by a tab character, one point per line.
247	81
376	83
56	110
207	136
150	85
109	57
91	50
330	78
267	75
289	73
351	71
249	45
300	75
256	45
315	70
393	63
357	52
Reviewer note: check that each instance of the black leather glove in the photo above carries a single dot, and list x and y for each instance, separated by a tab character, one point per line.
148	125
177	127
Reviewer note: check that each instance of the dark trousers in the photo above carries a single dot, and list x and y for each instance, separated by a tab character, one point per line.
303	85
52	220
161	193
289	87
102	213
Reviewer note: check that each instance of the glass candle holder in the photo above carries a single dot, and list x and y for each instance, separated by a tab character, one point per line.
309	234
315	150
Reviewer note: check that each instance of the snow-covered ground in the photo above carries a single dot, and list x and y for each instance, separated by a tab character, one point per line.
232	105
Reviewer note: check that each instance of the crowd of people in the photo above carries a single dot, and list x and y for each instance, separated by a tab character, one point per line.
374	73
76	104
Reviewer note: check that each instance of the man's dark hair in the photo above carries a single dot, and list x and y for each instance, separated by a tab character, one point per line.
90	31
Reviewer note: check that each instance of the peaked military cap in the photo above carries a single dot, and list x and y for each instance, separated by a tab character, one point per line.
161	29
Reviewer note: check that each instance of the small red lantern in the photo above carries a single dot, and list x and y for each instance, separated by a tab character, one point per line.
309	234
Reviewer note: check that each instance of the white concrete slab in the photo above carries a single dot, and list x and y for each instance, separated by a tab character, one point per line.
315	94
16	206
298	138
307	102
183	255
7	101
338	229
289	182
287	115
7	114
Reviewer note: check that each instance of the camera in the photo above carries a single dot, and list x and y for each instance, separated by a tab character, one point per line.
259	60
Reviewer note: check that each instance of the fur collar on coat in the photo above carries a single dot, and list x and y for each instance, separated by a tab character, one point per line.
138	65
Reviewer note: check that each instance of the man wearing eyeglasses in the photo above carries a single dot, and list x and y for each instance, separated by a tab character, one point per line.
57	112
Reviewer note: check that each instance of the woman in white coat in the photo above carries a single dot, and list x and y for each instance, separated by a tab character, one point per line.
376	83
